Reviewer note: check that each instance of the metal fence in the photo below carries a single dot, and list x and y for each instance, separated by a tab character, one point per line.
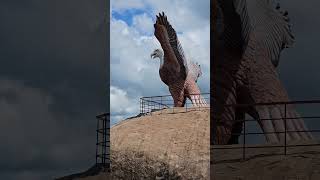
308	107
156	103
103	141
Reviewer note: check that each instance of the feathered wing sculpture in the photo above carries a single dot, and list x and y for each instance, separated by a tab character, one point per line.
175	71
250	35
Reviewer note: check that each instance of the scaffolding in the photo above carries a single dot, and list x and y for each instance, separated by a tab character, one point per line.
103	141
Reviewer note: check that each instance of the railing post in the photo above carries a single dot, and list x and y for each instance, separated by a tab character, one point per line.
199	102
161	103
140	105
173	106
151	105
143	106
154	105
186	105
97	144
148	106
285	129
244	139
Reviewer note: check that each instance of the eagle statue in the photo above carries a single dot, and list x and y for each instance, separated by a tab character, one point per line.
175	71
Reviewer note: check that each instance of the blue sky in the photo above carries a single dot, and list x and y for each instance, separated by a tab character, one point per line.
128	14
133	73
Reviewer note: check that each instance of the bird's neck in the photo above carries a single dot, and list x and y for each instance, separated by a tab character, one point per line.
161	61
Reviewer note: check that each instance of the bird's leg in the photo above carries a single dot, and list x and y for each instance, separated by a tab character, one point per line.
278	123
267	125
180	101
298	124
194	94
178	95
193	100
290	125
282	122
196	100
237	127
292	121
197	96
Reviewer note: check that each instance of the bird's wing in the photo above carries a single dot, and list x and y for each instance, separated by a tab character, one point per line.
269	25
174	43
194	70
228	36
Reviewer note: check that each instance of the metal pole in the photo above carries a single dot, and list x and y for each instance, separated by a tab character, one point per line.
186	105
199	102
147	106
151	106
97	143
285	129
140	105
161	103
173	107
244	139
103	143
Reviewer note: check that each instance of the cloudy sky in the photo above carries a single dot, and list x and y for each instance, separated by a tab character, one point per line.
133	73
54	64
52	85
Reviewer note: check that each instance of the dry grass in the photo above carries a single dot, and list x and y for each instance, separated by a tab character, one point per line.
137	165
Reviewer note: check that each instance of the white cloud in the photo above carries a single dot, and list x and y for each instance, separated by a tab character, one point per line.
143	23
120	102
183	14
122	105
119	5
115	119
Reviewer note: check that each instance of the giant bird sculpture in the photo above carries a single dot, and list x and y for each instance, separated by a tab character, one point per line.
248	37
179	74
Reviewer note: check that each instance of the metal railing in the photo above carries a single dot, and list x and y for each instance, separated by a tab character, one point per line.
156	103
103	141
244	146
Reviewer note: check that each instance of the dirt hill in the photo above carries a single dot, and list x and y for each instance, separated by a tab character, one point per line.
179	139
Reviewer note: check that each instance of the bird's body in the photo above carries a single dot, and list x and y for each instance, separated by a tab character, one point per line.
174	70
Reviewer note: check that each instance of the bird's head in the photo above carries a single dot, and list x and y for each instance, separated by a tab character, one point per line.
157	53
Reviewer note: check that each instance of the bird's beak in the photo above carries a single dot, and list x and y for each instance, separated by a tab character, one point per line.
153	55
